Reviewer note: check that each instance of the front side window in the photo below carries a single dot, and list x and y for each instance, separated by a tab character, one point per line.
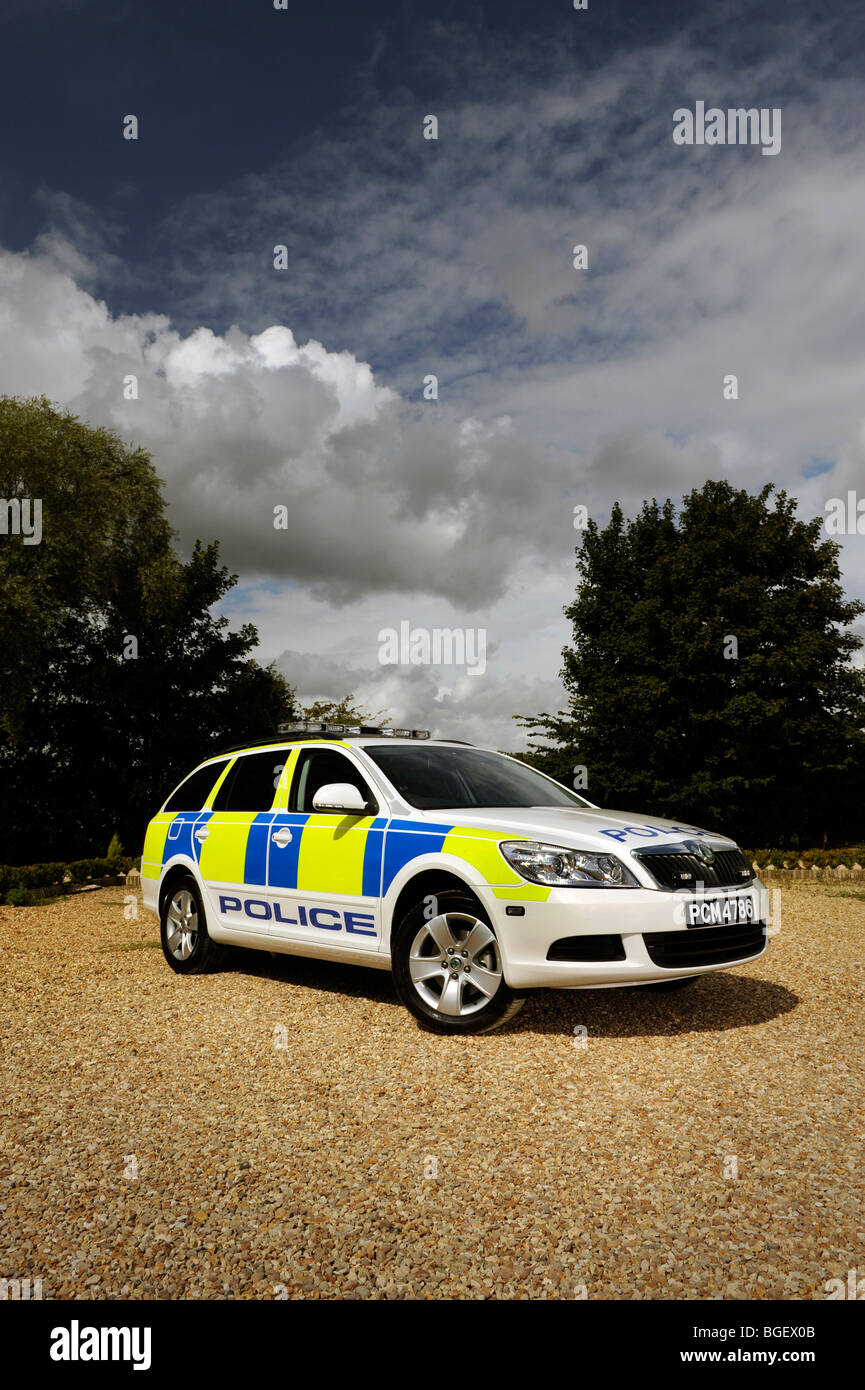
438	778
194	791
316	768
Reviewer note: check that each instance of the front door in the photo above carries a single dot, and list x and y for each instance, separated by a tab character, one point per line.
324	877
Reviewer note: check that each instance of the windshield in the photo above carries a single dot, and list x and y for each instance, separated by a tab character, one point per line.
433	778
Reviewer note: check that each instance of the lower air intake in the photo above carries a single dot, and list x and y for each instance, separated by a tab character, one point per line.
697	946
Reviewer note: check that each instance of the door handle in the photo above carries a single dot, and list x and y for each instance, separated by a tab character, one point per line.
201	833
282	837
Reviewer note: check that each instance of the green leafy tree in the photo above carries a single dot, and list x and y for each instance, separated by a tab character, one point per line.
115	675
343	711
710	677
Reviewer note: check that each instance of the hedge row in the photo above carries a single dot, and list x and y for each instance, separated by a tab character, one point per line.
45	875
811	858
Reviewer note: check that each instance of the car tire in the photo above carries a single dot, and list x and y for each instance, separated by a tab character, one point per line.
447	967
666	986
186	944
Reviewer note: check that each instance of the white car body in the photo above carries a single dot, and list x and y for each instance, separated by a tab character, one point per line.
354	920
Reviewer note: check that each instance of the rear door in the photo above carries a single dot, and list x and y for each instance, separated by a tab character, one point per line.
233	859
324	875
176	828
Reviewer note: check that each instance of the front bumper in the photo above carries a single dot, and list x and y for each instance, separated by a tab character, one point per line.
629	914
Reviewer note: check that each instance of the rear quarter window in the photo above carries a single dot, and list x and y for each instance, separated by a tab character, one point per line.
192	794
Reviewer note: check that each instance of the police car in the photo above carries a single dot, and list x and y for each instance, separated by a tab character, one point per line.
468	874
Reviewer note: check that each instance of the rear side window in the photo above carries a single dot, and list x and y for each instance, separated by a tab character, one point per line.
251	783
192	794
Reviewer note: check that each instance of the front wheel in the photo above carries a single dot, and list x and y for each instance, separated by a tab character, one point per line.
183	930
447	967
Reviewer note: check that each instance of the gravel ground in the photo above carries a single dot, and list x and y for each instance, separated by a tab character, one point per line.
284	1129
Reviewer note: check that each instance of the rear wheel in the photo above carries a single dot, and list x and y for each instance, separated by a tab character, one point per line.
447	967
183	930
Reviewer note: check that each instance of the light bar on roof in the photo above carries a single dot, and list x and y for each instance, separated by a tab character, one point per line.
308	726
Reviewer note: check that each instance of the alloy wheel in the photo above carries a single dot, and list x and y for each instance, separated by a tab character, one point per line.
455	965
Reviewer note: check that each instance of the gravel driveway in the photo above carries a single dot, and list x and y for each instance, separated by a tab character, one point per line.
284	1129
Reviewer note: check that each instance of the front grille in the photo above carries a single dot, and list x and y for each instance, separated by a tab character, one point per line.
704	945
680	869
587	948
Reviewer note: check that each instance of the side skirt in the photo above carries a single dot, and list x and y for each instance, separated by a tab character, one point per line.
260	941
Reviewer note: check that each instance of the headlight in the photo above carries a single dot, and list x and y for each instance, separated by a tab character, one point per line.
566	868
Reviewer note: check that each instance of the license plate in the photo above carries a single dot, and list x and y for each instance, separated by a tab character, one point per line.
720	912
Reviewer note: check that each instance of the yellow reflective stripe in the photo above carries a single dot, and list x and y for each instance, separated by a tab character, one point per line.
480	848
524	892
154	845
223	853
285	779
222	776
331	853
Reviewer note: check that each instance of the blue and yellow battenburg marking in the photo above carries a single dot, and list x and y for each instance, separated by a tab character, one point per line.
326	853
346	855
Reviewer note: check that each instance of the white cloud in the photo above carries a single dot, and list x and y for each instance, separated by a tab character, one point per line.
379	495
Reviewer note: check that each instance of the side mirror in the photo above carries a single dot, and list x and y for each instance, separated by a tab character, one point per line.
340	796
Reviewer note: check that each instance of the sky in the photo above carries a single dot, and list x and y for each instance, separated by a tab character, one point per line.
302	388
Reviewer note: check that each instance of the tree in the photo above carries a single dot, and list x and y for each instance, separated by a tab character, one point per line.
710	678
115	676
343	711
